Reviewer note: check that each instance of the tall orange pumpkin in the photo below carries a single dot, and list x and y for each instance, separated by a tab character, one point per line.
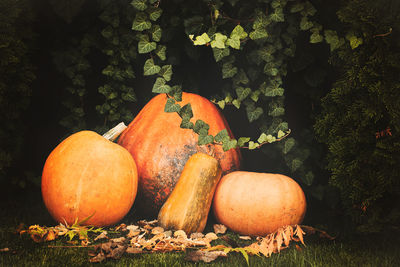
161	148
88	176
257	204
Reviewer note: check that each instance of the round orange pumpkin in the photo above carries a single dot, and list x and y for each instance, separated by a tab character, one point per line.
88	176
257	204
161	148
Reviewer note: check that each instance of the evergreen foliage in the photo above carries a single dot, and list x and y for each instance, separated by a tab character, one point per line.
360	121
16	76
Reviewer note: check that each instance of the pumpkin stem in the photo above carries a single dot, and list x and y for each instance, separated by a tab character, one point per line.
113	133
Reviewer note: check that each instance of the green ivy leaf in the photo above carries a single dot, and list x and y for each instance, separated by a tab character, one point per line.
171	106
241	77
201	39
186	112
332	39
228	70
221	104
258	33
316	38
242	93
108	71
238	33
161	87
219	41
146	46
205	140
288	145
308	178
176	92
161	52
276	112
130	97
253	145
309	9
221	136
156	33
278	15
228	98
233	42
277	4
261	20
354	40
297	7
186	123
220	53
305	24
295	164
262	138
254	95
229	144
155	13
280	134
166	72
150	68
236	103
242	141
270	70
139	4
201	128
141	22
253	113
274	91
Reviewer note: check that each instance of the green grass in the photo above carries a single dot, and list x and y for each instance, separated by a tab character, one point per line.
360	251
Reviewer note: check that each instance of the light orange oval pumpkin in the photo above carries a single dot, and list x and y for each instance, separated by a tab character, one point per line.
161	148
188	205
87	175
257	204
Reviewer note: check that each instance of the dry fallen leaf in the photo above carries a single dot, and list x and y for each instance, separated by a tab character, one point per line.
98	258
132	227
51	235
196	235
206	256
219	228
101	236
312	230
117	252
180	233
245	237
157	230
118	240
211	236
299	232
168	233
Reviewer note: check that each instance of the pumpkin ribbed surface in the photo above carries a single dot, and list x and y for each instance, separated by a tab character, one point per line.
188	205
257	204
161	148
88	175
